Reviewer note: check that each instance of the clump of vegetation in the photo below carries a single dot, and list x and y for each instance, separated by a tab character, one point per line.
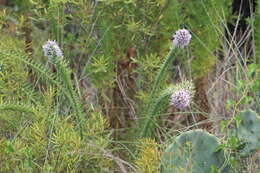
148	159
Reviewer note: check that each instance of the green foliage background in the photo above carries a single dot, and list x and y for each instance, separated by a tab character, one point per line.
59	116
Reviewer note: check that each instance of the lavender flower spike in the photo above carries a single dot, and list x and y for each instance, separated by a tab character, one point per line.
181	38
51	49
180	99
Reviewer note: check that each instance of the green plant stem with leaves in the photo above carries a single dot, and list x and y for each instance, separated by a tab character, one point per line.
161	75
16	107
149	123
65	75
152	104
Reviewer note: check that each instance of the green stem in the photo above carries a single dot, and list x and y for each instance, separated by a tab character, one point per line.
72	94
161	75
149	125
156	86
16	107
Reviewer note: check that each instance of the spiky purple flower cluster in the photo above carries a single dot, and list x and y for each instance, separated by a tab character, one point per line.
181	38
180	99
51	49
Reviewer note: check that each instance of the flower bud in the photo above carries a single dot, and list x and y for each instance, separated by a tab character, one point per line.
51	49
181	38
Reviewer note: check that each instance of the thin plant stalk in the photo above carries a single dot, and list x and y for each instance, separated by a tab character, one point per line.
161	74
156	86
149	122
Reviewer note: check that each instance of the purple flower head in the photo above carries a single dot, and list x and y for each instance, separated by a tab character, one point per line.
181	38
180	99
51	49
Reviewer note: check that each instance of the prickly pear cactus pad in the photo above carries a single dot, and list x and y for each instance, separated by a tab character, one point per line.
194	151
248	131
